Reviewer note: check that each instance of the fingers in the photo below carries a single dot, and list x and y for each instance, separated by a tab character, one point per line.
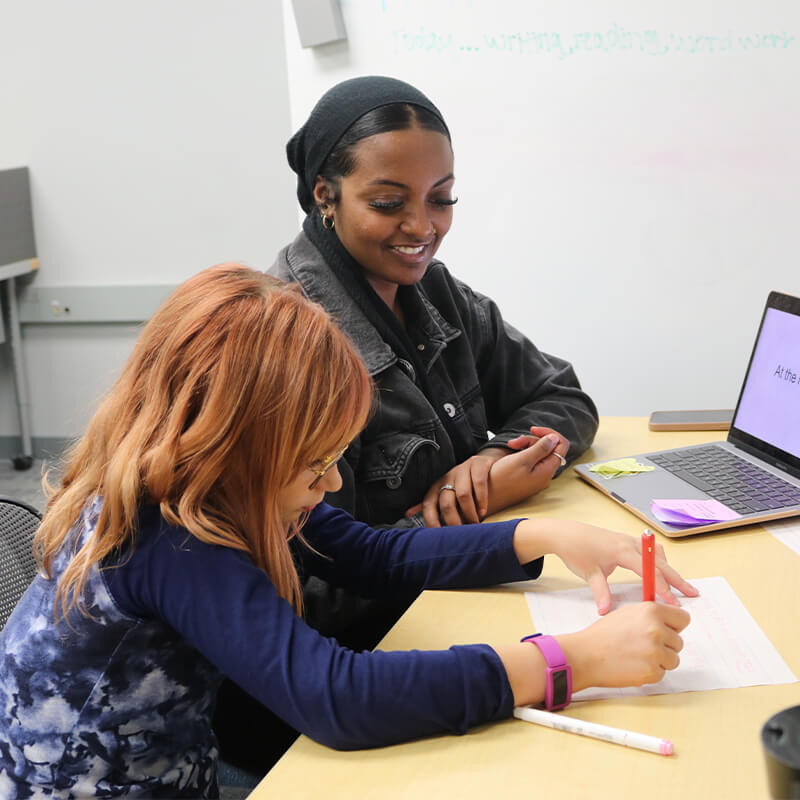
671	660
667	577
461	495
457	505
563	443
602	594
673	644
449	502
537	433
670	576
522	442
665	640
479	496
430	507
664	592
661	640
674	617
539	449
669	641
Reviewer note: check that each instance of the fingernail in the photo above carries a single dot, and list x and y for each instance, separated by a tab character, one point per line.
553	439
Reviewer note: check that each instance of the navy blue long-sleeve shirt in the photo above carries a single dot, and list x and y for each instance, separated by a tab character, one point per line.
174	615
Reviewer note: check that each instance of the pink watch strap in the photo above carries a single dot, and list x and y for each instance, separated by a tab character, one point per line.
558	691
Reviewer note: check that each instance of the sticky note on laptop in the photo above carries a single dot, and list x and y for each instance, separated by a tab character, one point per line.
619	467
691	512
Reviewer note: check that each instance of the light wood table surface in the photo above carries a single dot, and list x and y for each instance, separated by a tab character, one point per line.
716	734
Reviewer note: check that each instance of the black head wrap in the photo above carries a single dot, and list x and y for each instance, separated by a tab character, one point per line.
333	115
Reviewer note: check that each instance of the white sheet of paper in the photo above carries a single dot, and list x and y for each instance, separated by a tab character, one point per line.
786	531
723	646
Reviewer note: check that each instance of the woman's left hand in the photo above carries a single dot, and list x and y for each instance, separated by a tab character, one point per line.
593	553
461	495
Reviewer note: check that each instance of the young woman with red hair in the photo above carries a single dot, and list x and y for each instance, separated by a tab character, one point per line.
172	551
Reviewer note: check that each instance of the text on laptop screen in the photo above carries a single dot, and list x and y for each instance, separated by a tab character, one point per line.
769	408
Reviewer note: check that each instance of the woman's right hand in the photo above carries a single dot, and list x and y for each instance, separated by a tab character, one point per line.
632	646
526	471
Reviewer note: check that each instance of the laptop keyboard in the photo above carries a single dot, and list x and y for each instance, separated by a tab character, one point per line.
737	483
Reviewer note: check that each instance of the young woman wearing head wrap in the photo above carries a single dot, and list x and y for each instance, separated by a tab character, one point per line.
375	176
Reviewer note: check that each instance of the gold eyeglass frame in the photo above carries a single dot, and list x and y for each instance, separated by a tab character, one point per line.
327	463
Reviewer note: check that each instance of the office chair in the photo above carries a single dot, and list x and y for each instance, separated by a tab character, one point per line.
18	523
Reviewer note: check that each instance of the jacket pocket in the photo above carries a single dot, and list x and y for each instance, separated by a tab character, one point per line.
387	458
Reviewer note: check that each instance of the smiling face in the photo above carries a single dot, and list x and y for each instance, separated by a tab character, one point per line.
394	208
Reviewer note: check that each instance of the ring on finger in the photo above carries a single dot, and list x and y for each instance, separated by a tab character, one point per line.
560	458
447	486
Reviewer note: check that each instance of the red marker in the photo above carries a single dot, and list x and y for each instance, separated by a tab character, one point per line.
648	566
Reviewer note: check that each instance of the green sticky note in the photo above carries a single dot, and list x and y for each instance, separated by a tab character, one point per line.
620	466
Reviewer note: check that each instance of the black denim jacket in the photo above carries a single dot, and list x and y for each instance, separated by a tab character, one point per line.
482	373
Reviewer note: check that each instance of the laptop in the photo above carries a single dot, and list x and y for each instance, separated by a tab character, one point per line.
755	473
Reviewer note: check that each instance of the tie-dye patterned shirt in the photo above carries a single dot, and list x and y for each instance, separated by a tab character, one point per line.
119	704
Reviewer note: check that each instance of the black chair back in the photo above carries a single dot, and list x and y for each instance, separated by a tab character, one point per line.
18	523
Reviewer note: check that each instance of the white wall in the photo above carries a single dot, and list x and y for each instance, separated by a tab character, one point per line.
154	132
628	171
628	202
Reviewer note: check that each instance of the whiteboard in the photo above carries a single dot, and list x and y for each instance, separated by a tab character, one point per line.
628	173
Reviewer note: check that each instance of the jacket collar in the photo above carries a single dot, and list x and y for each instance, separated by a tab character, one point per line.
305	265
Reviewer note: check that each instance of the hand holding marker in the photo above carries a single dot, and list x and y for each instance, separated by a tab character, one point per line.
616	735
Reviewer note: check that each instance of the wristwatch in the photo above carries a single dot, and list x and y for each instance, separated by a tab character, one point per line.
559	674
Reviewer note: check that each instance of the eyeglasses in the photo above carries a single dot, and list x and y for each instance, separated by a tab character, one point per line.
321	468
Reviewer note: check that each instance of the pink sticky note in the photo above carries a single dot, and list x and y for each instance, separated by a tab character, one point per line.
690	512
672	517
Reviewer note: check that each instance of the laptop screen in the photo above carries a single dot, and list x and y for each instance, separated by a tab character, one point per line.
767	419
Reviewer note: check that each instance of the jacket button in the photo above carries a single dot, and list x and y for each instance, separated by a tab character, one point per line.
449	409
393	483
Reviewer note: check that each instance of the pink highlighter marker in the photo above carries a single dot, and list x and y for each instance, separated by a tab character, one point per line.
562	722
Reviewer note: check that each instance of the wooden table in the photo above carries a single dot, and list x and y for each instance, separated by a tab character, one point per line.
716	734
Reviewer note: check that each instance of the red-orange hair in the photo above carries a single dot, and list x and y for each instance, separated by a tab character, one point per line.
235	385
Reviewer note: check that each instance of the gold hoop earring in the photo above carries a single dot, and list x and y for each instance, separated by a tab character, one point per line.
327	222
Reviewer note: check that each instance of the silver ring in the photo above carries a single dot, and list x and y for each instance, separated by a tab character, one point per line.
447	486
560	458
